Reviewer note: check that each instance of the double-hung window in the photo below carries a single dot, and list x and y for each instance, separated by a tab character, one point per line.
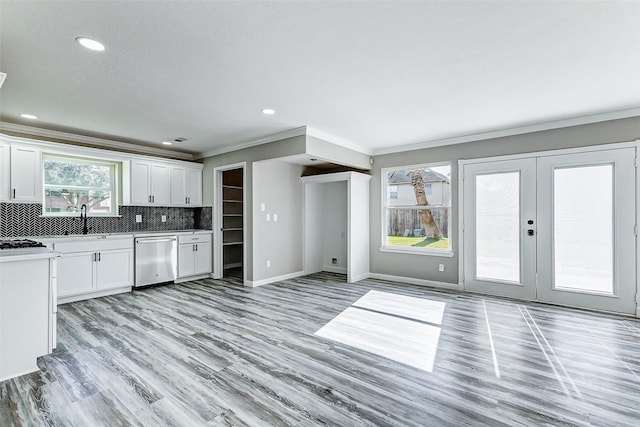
70	182
417	209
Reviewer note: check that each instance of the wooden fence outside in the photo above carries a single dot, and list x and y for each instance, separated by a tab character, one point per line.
400	220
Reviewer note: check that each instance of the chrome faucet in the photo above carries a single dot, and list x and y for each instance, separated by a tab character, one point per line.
85	230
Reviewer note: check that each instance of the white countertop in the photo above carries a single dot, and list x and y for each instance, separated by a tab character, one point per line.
129	234
22	254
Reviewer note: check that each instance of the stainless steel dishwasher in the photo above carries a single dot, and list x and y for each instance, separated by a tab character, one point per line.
156	260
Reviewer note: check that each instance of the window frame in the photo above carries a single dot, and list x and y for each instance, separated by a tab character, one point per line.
385	209
115	168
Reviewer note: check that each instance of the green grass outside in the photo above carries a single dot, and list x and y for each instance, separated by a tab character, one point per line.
421	242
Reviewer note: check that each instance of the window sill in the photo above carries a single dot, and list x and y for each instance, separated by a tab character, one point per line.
412	251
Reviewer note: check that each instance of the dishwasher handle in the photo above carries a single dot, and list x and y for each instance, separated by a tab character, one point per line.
156	239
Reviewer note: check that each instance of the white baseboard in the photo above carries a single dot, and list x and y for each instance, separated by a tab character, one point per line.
255	283
186	279
91	295
359	277
334	269
414	281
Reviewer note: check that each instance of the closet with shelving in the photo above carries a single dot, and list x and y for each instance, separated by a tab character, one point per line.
232	222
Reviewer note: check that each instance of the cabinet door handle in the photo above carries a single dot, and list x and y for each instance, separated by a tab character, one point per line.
186	200
99	257
153	198
196	248
14	193
149	198
95	257
189	199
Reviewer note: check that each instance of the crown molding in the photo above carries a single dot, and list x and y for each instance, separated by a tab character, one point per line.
302	130
557	124
100	142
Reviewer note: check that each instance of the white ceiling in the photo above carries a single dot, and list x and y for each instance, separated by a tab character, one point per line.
373	75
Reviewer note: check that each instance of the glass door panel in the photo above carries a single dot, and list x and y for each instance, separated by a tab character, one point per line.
583	228
497	227
499	254
586	250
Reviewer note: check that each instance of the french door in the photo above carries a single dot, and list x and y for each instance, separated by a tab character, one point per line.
553	228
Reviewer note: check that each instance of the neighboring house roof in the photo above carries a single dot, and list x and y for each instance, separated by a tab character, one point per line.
404	177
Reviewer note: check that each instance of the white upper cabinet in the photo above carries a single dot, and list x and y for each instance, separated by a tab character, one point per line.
5	176
186	186
147	183
160	184
194	187
139	179
26	174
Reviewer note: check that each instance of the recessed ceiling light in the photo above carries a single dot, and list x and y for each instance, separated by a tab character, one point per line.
268	111
90	43
167	142
28	116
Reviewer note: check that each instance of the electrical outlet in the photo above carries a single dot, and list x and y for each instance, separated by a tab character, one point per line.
441	267
334	261
275	217
262	207
138	218
163	218
268	263
268	217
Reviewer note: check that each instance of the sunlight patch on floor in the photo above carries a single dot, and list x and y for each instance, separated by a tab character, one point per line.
383	323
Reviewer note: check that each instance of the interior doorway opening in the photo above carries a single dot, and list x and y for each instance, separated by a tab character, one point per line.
229	222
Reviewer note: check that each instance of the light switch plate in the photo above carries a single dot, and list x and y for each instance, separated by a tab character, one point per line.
163	218
138	218
268	217
262	207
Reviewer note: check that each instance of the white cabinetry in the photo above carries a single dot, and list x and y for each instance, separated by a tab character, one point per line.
20	173
94	267
147	183
27	314
5	175
194	255
186	186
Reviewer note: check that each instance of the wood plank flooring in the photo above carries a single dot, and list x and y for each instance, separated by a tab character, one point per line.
214	353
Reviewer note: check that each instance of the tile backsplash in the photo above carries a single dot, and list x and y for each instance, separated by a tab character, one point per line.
25	219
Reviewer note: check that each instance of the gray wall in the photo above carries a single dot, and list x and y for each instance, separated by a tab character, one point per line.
426	267
302	144
282	148
277	185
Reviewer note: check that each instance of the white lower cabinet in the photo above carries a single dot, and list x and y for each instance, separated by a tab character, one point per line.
194	255
91	268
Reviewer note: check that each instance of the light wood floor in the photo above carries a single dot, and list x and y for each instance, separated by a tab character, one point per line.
212	352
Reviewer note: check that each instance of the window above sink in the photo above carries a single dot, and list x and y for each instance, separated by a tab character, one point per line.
70	182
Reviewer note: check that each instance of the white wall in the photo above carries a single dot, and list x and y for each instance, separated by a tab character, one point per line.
334	226
326	226
277	185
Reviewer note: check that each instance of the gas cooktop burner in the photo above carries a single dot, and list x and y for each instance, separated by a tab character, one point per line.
19	243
